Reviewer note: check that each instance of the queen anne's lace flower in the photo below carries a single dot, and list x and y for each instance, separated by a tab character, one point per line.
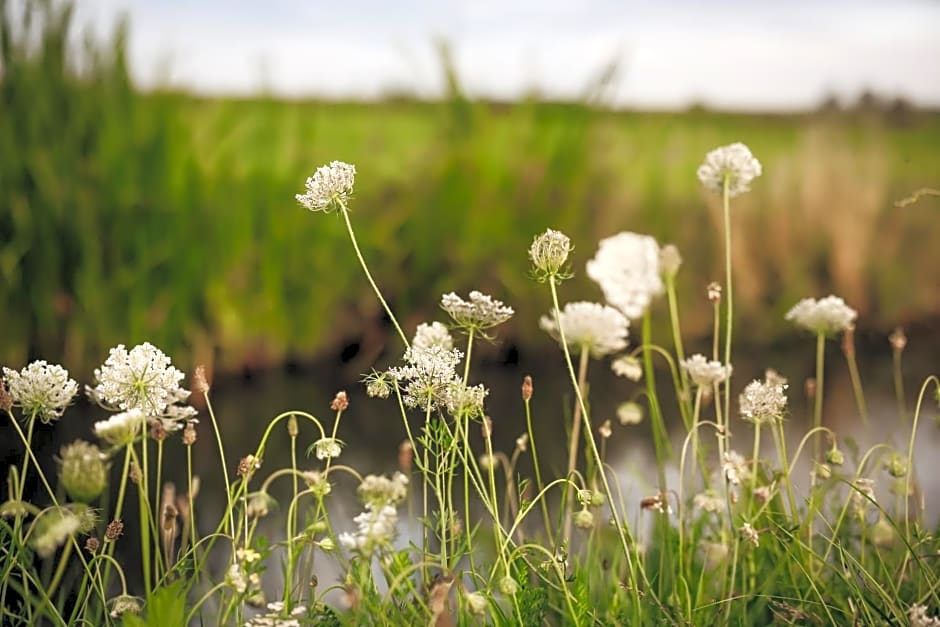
380	490
627	366
427	375
330	186
434	334
465	400
626	267
735	468
828	315
377	530
599	329
277	617
143	379
734	162
749	534
479	313
123	428
764	401
41	389
704	372
549	253
328	448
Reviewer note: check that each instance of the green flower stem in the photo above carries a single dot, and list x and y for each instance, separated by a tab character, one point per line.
362	262
622	530
818	407
573	443
910	453
781	442
685	399
899	383
192	504
538	473
143	502
857	389
292	517
755	461
230	506
729	303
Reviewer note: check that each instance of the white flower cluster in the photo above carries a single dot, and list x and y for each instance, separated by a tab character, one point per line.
734	163
328	448
626	267
142	378
599	329
123	428
627	366
434	334
276	617
918	617
465	400
704	372
735	468
329	186
708	501
630	413
479	313
549	253
764	401
377	530
427	375
41	389
828	315
379	490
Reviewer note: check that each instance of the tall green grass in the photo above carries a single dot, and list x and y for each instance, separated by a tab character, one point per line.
128	215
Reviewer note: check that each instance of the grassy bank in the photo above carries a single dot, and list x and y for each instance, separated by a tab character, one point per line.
126	216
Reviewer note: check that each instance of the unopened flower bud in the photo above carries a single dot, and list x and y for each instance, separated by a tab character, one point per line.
6	401
835	457
134	473
670	260
200	382
605	430
247	465
326	544
508	586
92	545
476	603
157	431
124	604
584	519
114	531
549	253
898	339
292	429
522	442
882	534
340	401
823	471
896	466
714	292
406	455
83	471
527	388
189	434
809	387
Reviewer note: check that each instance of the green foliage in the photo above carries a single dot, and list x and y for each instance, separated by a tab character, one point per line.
165	606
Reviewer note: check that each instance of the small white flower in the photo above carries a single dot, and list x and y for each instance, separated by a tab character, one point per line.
549	253
709	501
670	260
630	413
378	490
749	534
377	530
764	401
735	468
427	375
626	267
328	448
123	428
863	488
41	389
465	400
599	329
476	603
584	519
828	315
330	186
479	313
52	529
734	163
508	586
434	334
143	378
704	372
627	366
918	617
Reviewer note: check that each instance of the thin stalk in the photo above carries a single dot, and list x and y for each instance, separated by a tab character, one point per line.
899	383
685	397
573	444
818	407
781	442
729	303
538	472
375	288
857	388
228	486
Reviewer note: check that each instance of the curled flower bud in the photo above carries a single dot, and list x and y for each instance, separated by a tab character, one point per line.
835	456
508	586
549	254
584	519
83	471
377	385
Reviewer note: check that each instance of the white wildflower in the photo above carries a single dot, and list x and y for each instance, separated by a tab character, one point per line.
329	187
328	448
704	372
918	617
479	313
626	267
630	413
549	253
41	389
864	490
377	490
434	334
670	260
123	428
476	603
735	468
734	163
627	366
143	378
508	586
584	519
764	401
749	534
377	384
599	329
277	617
53	528
428	375
377	530
708	501
465	400
828	315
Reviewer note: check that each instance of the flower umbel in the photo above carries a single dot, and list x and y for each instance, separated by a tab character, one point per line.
41	389
329	187
764	401
549	254
434	334
734	163
142	378
428	375
123	428
627	269
328	448
704	372
481	312
828	315
599	329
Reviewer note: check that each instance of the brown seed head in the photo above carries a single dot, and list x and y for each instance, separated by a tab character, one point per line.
714	292
247	465
114	531
92	544
406	455
6	401
169	516
340	401
157	431
898	339
189	434
200	382
527	388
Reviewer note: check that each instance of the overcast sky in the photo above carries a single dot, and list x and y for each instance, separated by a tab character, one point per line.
780	54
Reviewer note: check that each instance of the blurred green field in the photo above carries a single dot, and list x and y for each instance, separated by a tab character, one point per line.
127	216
